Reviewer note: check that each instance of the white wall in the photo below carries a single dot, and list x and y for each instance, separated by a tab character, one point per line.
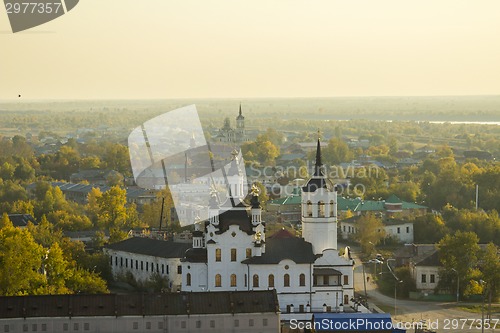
119	266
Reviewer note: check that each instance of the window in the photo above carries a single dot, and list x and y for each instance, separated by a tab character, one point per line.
162	268
198	324
179	269
25	327
233	254
309	208
246	278
344	228
218	281
233	280
44	327
167	269
424	278
135	325
86	326
183	324
116	261
321	209
286	280
217	255
264	322
399	230
188	279
331	208
126	262
250	322
270	281
255	281
65	327
157	268
433	278
346	279
249	253
148	325
302	280
236	323
212	323
75	327
6	328
407	230
111	260
152	267
137	264
160	325
34	328
142	265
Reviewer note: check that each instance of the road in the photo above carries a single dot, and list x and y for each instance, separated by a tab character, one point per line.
441	315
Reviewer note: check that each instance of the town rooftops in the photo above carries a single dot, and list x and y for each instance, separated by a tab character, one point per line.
139	304
151	247
21	220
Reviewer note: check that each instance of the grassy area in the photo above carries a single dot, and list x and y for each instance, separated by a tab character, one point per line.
386	308
477	308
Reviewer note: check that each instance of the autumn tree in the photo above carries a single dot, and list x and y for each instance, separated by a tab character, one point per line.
369	231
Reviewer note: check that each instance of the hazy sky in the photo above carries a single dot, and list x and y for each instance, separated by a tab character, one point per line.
272	48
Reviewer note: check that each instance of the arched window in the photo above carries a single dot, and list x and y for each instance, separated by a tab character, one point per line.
309	208
217	255
332	213
218	282
286	280
233	280
188	279
270	281
321	209
302	280
255	281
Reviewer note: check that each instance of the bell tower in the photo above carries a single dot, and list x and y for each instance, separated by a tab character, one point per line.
319	209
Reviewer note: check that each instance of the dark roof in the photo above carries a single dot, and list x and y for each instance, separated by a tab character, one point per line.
431	260
21	220
282	233
326	271
196	255
138	304
151	247
235	216
315	183
277	249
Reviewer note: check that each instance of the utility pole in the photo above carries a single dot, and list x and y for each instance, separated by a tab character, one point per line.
458	284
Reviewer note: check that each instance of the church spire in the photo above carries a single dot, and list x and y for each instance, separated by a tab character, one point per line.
318	170
240	109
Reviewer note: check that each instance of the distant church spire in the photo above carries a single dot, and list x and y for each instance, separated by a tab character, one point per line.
240	109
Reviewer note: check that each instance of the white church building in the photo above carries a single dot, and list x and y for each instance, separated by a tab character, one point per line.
231	252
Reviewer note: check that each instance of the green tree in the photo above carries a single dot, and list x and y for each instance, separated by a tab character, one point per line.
490	269
336	152
429	228
460	252
370	231
20	263
57	270
112	211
